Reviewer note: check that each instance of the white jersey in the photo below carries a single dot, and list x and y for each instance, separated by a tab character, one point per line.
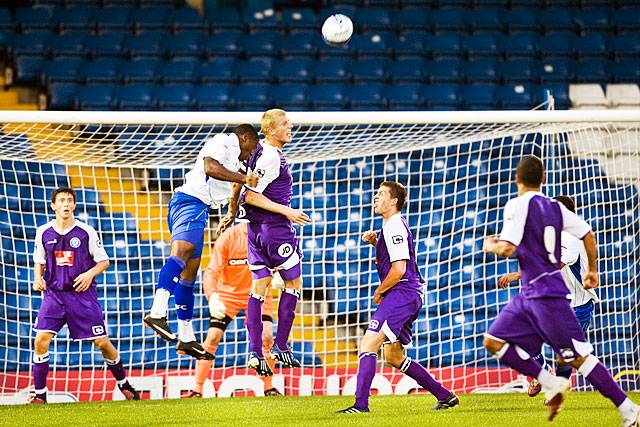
225	149
574	256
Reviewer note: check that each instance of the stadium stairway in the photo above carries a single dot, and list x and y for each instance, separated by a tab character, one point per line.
9	99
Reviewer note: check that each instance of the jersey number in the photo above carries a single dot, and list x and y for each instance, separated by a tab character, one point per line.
550	243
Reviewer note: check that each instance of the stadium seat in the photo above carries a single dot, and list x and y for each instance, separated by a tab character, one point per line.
445	71
139	70
6	21
519	70
407	70
60	96
149	18
409	44
33	44
449	19
113	18
332	70
327	97
75	18
407	96
177	71
105	45
366	96
289	96
623	95
626	45
624	71
592	19
261	19
521	19
590	45
175	97
186	18
442	96
254	71
555	70
135	97
444	45
103	70
300	18
373	18
251	97
293	71
412	19
625	19
299	44
482	70
520	44
217	70
484	19
29	19
60	70
146	45
224	19
372	44
479	96
213	97
590	71
260	43
556	20
589	96
368	70
223	44
557	45
516	97
69	44
27	69
184	44
94	97
480	45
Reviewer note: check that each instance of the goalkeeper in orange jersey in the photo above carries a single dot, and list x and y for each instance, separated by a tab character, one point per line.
227	283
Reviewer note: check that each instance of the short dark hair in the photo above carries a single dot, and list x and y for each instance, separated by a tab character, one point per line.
567	202
61	190
246	129
530	171
397	191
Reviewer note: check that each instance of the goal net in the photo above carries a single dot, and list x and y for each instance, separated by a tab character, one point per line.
458	168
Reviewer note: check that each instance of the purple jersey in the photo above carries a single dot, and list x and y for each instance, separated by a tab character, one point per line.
534	223
275	183
67	253
395	243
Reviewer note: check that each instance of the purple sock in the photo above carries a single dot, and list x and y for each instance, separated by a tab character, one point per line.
254	323
366	372
595	372
116	368
286	314
513	358
40	371
424	378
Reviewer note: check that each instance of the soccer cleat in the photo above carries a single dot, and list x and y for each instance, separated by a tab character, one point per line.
534	388
555	396
353	410
447	403
285	357
193	395
129	392
36	401
633	420
259	364
160	327
194	349
272	392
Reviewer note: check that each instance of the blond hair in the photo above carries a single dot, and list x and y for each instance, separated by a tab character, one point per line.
269	119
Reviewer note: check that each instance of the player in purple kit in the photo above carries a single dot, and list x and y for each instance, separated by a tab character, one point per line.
399	300
68	256
273	243
541	312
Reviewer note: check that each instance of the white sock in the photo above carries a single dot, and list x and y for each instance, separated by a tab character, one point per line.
160	304
627	408
546	379
185	331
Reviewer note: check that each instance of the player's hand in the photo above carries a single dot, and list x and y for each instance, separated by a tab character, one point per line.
298	217
504	281
590	280
489	243
39	284
83	281
225	223
377	298
216	306
370	237
251	179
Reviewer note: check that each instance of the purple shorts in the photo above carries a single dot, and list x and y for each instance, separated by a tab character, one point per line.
80	311
395	315
530	322
271	247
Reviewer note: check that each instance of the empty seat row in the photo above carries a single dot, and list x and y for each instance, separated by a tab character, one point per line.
300	97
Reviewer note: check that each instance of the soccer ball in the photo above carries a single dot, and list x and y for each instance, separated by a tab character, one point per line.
337	30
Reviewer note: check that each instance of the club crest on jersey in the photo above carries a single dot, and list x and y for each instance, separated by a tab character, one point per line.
64	258
75	242
260	173
397	239
374	324
285	249
98	330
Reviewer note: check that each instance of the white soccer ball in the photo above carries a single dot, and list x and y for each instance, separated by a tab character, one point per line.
337	30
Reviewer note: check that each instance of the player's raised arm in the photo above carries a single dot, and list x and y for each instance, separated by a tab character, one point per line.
296	216
215	170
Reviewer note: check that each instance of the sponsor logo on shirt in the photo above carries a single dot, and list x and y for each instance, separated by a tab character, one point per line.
397	239
285	249
260	172
75	242
52	242
64	258
237	261
97	330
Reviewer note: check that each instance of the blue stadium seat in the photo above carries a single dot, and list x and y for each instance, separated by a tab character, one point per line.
6	21
442	96
60	96
33	44
519	70
149	18
373	18
326	51
445	45
479	96
345	9
409	44
372	44
293	71
289	96
407	96
260	43
445	71
516	97
33	18
590	71
556	19
625	19
407	70
251	97
332	70
590	45
449	19
482	70
184	44
113	18
94	97
27	68
61	70
135	97
299	43
146	45
223	44
105	45
213	97
555	70
592	19
186	18
484	19
520	44
176	97
626	45
480	45
557	45
327	97
366	97
368	70
412	18
224	19
217	70
75	18
521	19
177	71
103	70
69	44
255	71
299	18
624	71
260	19
139	70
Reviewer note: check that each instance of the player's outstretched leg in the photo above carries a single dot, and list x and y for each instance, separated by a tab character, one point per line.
187	343
167	281
286	316
115	366
256	359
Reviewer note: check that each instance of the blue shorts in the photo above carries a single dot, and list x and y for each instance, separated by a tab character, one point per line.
188	216
584	313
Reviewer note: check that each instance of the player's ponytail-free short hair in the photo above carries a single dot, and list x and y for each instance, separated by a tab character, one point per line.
397	191
269	119
62	190
246	129
530	171
567	202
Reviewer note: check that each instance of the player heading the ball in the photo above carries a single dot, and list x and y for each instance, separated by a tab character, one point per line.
68	256
399	300
541	312
273	243
207	185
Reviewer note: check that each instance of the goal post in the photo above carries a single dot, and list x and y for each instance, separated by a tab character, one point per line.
458	168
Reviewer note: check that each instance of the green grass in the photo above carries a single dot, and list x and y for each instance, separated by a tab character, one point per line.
580	409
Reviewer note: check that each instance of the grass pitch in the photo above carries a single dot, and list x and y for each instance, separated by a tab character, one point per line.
580	409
